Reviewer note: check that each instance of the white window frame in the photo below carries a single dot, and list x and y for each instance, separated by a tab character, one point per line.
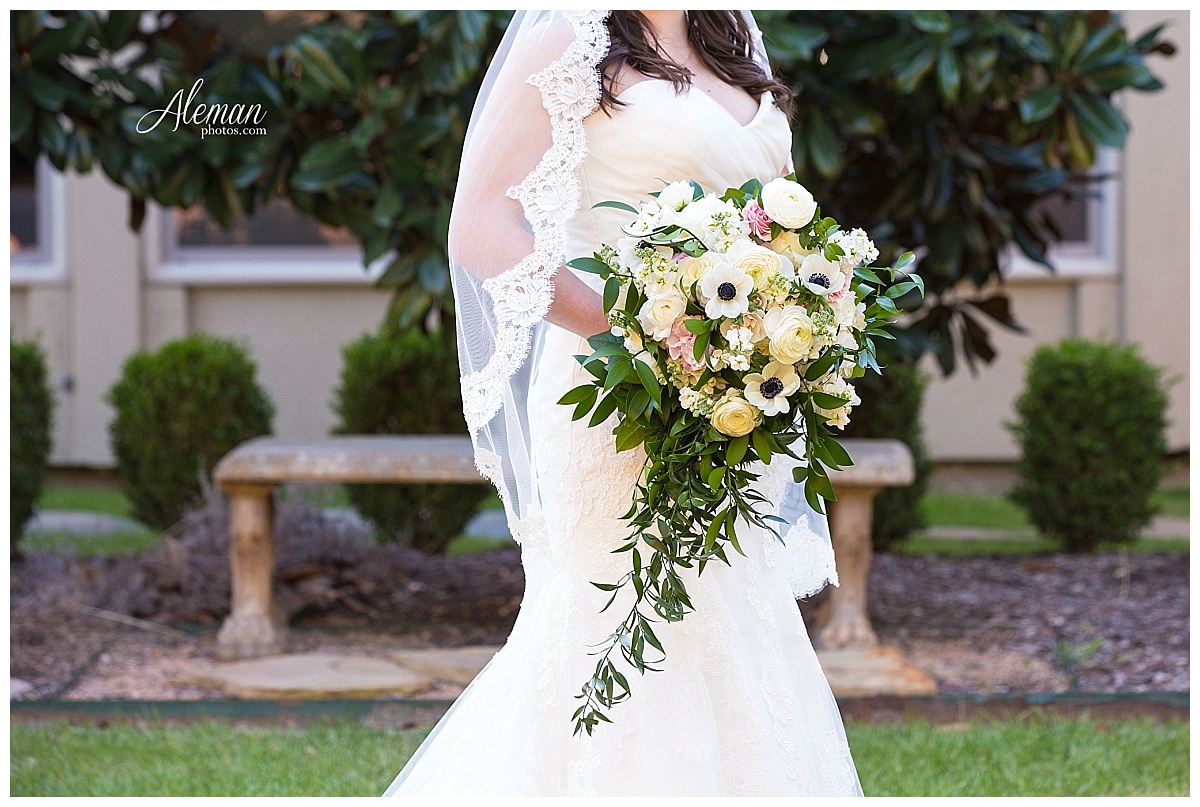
47	263
1096	257
168	262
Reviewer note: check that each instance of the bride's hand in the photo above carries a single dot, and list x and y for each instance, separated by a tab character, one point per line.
576	306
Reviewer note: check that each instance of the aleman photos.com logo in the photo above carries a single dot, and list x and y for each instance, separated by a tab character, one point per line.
214	119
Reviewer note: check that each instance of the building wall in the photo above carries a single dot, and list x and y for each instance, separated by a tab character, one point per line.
108	301
1142	298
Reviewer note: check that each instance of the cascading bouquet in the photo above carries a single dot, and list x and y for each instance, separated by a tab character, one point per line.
737	321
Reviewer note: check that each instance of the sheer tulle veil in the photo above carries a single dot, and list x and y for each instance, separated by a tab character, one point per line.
518	188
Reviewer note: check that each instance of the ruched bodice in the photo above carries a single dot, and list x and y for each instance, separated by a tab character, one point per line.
662	135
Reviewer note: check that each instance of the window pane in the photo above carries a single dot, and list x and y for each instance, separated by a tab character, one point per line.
1071	216
277	224
23	217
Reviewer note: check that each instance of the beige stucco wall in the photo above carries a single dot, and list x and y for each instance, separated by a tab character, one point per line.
110	303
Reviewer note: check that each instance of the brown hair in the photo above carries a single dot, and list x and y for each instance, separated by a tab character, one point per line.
721	39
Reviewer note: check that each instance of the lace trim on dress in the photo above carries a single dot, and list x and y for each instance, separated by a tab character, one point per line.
549	195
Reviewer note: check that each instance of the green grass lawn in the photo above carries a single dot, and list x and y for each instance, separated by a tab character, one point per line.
1047	757
102	545
89	499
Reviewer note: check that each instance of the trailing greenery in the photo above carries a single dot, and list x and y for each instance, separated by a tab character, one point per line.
891	407
30	420
407	383
1037	757
178	410
943	130
1091	431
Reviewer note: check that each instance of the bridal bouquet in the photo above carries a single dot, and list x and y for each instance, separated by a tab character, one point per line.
737	321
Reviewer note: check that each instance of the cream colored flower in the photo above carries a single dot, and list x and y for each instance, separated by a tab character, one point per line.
788	203
734	416
692	270
757	261
659	313
791	333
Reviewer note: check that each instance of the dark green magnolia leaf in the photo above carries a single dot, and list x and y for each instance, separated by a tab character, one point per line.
1040	104
949	75
612	288
932	22
1098	120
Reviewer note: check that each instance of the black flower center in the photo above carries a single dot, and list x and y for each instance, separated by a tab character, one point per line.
771	387
644	244
727	291
820	279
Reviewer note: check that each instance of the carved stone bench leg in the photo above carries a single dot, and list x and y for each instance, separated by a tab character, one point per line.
850	529
254	627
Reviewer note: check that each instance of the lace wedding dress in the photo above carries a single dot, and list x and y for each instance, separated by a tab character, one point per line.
742	706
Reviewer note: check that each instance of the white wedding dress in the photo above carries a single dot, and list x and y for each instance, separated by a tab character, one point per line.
742	706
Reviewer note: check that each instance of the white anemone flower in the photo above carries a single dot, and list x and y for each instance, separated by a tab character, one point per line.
819	275
769	390
726	291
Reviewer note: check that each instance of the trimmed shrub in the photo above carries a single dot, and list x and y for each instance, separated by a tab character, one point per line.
1091	423
891	407
407	383
31	416
178	411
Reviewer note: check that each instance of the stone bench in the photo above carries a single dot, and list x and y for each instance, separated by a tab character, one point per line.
250	473
878	464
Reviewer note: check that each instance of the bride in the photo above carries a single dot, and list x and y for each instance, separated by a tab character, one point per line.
579	108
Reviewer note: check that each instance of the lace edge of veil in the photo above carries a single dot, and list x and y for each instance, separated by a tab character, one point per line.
549	195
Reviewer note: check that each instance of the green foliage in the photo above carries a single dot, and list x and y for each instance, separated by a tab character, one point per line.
948	130
1090	428
891	407
178	410
365	115
407	383
31	414
932	129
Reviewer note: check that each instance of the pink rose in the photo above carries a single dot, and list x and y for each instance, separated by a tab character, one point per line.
681	345
834	296
757	218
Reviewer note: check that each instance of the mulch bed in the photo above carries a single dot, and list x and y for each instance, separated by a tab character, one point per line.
963	619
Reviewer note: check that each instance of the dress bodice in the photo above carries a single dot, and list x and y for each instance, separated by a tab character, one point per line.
660	136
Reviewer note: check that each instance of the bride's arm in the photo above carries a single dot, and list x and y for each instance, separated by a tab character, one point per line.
488	232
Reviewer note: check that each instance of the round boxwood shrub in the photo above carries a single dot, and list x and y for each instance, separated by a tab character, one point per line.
178	410
891	407
30	420
406	382
1090	427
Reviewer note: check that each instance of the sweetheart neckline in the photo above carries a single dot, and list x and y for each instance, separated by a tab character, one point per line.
762	102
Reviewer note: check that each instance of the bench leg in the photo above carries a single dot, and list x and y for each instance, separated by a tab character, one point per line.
850	529
254	627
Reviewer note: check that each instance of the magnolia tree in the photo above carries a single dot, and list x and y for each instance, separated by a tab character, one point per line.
938	131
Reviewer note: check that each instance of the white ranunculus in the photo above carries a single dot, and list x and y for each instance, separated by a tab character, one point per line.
821	276
659	313
788	203
693	270
769	390
734	416
791	333
726	291
757	261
